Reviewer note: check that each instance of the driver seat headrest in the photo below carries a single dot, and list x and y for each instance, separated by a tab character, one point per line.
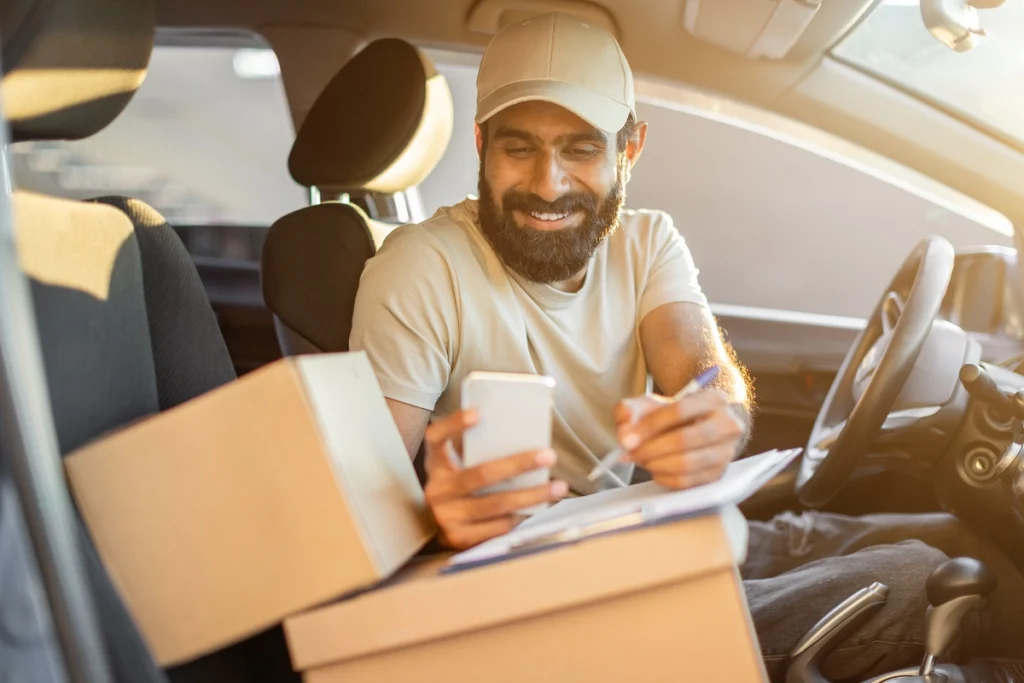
71	66
381	124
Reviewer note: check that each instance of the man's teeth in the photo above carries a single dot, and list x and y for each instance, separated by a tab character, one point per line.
549	216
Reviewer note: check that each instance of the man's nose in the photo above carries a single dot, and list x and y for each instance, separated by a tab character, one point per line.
550	181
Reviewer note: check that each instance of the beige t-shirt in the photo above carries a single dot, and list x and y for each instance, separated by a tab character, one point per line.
436	303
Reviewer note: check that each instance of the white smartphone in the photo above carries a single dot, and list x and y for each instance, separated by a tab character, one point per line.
514	415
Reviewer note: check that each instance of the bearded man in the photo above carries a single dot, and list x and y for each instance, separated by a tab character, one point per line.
547	273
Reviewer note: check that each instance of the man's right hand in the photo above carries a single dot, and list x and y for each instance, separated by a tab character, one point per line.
465	519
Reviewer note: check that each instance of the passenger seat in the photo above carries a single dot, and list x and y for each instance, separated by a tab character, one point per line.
381	125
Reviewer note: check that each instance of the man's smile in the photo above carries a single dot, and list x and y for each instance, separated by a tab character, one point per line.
544	220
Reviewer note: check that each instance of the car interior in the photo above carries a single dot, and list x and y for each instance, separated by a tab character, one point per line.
109	313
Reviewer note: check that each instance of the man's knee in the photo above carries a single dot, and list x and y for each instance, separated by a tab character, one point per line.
894	637
785	607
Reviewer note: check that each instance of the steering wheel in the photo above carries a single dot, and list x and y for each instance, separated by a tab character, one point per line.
874	371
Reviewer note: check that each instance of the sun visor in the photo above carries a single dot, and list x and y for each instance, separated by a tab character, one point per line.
753	29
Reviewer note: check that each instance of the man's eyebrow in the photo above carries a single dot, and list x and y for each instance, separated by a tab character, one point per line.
504	133
595	136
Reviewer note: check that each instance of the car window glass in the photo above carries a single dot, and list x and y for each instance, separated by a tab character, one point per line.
982	84
205	141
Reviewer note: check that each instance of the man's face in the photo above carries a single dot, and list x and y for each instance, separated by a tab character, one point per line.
551	187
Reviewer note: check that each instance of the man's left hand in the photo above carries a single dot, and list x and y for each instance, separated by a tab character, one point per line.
682	444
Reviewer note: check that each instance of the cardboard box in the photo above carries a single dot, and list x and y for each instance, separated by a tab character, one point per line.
659	604
280	491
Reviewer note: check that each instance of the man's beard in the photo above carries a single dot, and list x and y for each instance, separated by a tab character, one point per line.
547	256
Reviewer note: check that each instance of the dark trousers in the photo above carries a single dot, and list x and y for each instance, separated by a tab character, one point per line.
800	566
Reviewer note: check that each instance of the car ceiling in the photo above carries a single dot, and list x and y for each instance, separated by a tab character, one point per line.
652	34
313	37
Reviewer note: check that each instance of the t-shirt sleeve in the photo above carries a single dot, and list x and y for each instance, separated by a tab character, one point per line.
672	274
405	317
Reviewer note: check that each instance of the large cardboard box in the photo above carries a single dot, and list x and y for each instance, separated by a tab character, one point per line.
280	491
654	605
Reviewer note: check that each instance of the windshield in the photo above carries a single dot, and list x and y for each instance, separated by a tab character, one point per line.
985	84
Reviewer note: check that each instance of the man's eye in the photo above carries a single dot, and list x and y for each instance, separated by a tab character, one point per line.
518	151
581	152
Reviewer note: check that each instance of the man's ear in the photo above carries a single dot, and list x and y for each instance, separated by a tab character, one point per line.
636	143
479	138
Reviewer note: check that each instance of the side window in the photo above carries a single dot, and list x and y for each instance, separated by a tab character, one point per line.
777	215
793	219
205	142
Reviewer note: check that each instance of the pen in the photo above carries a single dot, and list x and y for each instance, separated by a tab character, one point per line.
696	384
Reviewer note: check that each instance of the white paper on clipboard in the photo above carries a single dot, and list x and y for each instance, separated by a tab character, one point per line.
645	503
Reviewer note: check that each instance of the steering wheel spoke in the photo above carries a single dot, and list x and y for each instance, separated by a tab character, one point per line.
858	410
896	424
892	309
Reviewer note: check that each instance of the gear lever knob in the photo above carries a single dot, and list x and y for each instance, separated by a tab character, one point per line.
958	578
954	588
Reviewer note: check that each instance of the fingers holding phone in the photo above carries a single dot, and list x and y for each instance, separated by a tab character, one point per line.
465	517
488	465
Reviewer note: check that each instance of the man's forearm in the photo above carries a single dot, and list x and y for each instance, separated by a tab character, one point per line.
680	340
734	381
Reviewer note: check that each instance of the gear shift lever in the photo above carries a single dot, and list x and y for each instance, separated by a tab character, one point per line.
954	588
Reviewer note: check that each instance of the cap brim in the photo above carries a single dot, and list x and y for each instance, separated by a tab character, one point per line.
602	112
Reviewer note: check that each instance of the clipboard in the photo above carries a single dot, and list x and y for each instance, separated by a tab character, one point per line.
648	505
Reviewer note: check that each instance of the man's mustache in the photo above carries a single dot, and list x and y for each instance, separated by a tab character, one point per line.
528	202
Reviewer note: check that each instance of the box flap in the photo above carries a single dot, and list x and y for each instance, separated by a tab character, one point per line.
368	456
422	606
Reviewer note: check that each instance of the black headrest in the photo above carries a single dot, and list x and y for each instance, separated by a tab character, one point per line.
381	124
312	261
71	66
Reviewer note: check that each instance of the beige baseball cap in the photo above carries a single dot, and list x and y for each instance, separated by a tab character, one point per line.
560	59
